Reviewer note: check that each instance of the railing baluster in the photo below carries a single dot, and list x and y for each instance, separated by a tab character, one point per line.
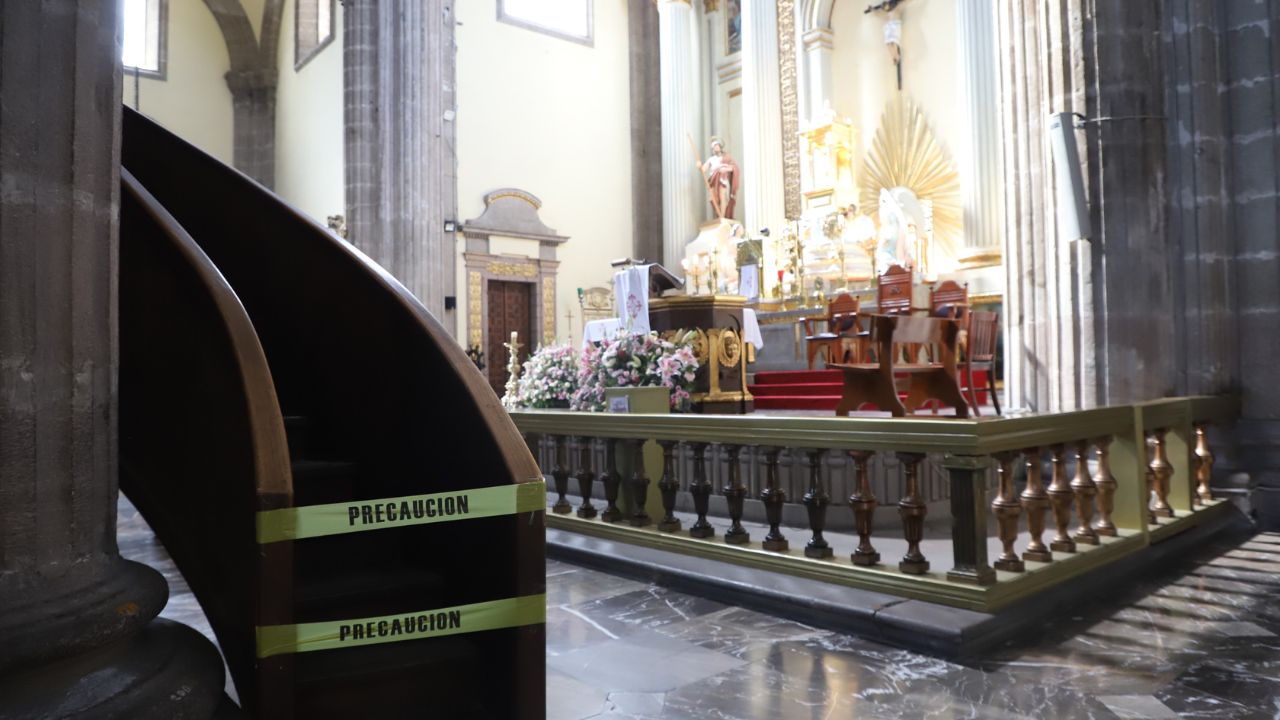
816	500
585	478
967	476
1161	472
1035	502
639	486
863	504
773	498
669	485
1007	509
1061	496
561	476
700	489
611	480
1085	492
734	494
1106	484
1204	466
913	510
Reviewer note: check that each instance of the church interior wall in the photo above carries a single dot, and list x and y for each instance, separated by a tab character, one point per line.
192	99
864	79
309	124
556	124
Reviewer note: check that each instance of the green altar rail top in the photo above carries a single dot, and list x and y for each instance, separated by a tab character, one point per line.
307	521
457	620
919	433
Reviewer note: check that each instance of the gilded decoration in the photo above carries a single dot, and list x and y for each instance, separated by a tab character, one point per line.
548	310
524	270
730	348
790	99
905	155
475	313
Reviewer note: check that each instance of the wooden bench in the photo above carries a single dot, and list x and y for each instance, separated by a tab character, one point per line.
874	382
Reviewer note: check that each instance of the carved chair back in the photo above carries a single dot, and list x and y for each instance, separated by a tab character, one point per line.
893	295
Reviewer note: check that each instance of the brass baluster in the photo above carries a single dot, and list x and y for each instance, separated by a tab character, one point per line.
639	486
611	481
1106	484
773	498
668	486
1204	466
585	477
913	510
1035	502
561	477
816	500
1061	496
1007	510
700	489
1085	492
863	504
734	494
1161	472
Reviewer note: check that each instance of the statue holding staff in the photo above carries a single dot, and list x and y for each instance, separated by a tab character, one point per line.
723	177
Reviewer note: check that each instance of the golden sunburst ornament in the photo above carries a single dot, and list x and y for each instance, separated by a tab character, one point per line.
905	153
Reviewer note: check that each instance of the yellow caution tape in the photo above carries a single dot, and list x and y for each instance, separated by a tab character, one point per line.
309	521
477	617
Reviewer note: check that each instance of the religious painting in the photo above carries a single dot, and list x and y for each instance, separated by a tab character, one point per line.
733	26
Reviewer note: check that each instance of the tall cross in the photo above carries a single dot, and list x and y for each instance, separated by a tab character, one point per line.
568	319
892	32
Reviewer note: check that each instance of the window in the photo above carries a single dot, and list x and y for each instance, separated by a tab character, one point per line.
568	19
312	30
144	36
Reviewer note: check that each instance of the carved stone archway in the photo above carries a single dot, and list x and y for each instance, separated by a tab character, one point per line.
510	213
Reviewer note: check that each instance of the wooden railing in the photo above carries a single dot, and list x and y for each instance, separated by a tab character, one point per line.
1064	493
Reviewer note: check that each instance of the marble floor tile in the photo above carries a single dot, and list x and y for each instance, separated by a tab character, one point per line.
569	699
645	609
646	662
571	585
1212	691
1137	707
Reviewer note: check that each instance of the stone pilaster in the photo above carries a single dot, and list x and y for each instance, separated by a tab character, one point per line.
762	171
77	629
646	132
980	183
683	191
401	175
253	104
818	45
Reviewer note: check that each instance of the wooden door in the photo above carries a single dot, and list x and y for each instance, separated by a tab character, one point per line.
510	310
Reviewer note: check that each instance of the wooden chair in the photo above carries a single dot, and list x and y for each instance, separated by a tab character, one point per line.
841	324
984	328
874	382
893	292
948	297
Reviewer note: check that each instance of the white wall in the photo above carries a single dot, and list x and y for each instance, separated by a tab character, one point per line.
193	100
863	76
309	131
551	117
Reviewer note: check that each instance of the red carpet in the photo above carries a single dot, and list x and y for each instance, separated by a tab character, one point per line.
813	389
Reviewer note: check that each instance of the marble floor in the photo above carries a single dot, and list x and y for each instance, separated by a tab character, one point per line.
1201	640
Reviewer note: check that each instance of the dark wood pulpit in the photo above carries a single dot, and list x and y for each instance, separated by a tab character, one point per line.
721	384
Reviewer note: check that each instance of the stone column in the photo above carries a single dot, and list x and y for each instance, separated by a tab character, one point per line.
683	190
253	104
1045	367
401	175
762	178
818	44
980	184
77	630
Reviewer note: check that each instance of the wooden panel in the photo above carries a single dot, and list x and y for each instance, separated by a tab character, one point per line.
510	310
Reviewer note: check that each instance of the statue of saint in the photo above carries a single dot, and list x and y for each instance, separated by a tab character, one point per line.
723	177
901	223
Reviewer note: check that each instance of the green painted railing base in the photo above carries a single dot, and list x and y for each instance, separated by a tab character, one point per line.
930	587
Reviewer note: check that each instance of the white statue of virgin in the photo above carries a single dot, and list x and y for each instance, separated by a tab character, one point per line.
901	221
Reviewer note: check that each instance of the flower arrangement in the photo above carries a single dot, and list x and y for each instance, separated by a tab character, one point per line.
635	361
550	378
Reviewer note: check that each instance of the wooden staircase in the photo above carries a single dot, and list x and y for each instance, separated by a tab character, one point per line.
267	365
